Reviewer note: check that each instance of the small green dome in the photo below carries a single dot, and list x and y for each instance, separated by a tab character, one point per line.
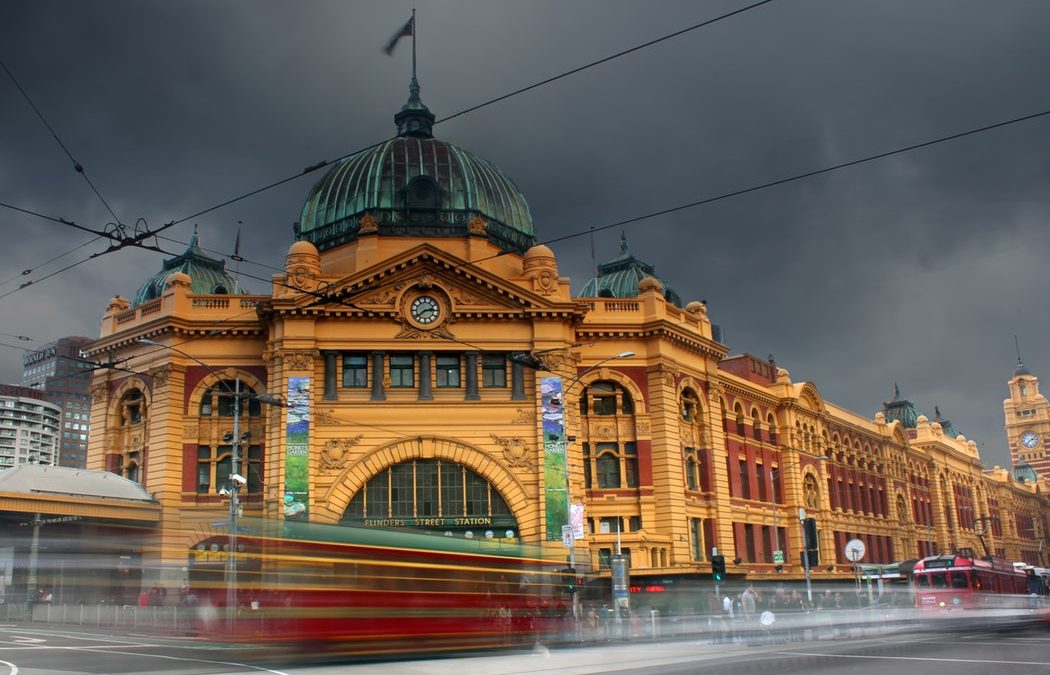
208	275
415	185
619	278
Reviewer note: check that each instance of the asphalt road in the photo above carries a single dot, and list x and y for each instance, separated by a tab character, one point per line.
31	650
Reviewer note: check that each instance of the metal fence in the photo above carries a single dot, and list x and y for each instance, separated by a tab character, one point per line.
179	620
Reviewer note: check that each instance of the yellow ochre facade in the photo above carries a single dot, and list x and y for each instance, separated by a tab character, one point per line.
412	336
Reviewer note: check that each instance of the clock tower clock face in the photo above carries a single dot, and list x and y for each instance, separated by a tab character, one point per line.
1029	439
425	309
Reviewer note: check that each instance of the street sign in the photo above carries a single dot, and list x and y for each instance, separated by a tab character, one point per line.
778	557
854	550
566	536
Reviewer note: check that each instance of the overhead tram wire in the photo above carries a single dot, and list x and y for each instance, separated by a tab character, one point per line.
326	163
781	181
30	270
77	166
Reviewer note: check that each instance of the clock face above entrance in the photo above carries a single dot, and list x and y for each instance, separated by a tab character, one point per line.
1029	439
425	309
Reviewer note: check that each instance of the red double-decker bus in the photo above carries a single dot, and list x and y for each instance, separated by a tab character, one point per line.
349	590
953	582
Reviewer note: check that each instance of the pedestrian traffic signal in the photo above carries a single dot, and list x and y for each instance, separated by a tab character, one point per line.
718	567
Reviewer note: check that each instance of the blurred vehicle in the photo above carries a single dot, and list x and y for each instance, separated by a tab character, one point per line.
951	582
349	590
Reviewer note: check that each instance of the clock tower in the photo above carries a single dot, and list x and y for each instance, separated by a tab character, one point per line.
1027	421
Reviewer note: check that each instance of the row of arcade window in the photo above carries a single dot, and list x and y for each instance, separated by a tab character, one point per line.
423	372
426	489
130	435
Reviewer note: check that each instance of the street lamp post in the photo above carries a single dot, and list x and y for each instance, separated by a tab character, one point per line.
568	489
236	480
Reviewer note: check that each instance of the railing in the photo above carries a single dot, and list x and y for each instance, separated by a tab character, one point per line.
126	317
151	307
180	620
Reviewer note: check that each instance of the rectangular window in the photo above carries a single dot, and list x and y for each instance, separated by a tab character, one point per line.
696	538
760	480
745	482
401	490
254	468
426	490
630	463
451	490
203	469
355	370
477	495
448	370
587	465
402	370
377	498
493	370
636	523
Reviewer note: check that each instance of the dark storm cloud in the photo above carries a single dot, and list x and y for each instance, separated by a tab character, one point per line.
916	269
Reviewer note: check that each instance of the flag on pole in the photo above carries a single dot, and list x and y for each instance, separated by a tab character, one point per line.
237	244
406	31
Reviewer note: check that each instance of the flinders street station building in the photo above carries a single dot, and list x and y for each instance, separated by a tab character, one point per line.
426	366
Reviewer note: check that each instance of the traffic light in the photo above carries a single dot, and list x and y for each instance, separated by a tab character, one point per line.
570	579
718	567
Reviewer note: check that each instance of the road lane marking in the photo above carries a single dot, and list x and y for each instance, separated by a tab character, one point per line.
13	667
914	658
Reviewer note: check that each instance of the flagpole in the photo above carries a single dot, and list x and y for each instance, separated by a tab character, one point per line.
413	43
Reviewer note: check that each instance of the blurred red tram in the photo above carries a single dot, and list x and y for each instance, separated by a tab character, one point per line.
335	589
953	582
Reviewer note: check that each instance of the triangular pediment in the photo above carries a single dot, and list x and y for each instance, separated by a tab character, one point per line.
466	287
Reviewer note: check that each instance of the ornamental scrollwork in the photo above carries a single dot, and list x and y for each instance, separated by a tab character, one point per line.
298	360
367	224
190	431
545	283
98	394
385	296
336	453
515	452
160	376
326	419
523	416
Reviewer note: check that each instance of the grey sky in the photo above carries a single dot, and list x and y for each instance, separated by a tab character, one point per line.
916	269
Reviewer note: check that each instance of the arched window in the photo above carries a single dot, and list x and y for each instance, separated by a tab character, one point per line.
771	423
740	429
608	469
220	290
606	398
215	442
431	494
690	406
756	426
902	509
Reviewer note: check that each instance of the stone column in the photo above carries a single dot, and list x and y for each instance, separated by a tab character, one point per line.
472	377
426	392
377	377
331	365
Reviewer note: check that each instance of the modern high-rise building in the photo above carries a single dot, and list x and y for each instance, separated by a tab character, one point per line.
29	427
64	376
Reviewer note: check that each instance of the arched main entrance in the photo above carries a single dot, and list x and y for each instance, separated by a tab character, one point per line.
435	495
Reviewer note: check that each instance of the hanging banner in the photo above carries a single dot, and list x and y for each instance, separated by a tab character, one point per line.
297	450
554	483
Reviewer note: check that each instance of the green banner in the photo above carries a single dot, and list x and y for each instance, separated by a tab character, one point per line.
297	450
554	475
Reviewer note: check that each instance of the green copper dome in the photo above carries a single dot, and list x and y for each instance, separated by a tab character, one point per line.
415	185
901	409
208	275
619	278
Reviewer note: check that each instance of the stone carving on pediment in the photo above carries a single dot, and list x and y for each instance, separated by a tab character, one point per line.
190	431
98	394
462	297
410	332
515	452
426	280
336	453
327	418
523	416
301	277
606	431
643	428
556	361
368	224
477	225
385	296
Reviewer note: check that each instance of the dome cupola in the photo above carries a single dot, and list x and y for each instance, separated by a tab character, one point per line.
207	275
415	185
619	278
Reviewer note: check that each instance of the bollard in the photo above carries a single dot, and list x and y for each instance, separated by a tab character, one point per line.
653	616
